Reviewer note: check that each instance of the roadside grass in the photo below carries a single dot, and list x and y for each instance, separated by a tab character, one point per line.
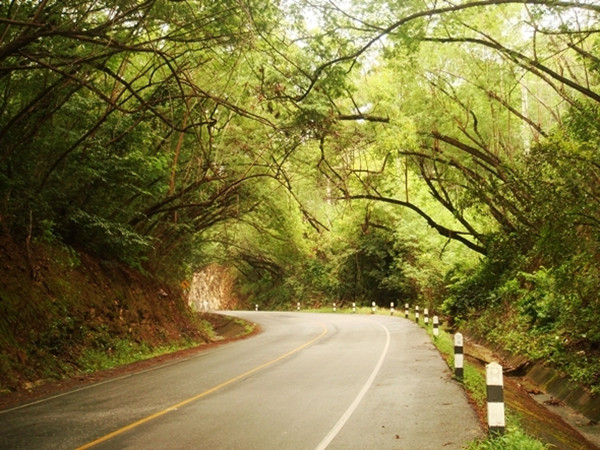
515	439
123	351
473	382
247	326
118	352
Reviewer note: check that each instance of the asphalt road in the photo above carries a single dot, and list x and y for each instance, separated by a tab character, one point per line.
308	381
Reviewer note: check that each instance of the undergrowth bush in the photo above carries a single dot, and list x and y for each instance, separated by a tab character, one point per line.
121	352
544	313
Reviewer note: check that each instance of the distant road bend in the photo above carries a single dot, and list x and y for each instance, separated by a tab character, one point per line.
308	381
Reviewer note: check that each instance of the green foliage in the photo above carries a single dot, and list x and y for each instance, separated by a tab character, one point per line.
109	140
512	440
475	288
109	240
119	352
365	262
366	267
538	317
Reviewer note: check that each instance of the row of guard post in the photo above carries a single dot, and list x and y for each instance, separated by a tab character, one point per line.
494	376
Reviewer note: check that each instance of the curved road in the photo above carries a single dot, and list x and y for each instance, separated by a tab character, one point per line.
308	381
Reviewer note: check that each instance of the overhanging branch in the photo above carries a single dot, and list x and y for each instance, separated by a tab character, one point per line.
442	230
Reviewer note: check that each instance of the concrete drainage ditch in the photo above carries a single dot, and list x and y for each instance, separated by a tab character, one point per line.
550	407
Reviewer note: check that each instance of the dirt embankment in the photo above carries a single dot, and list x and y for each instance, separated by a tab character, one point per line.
226	329
57	306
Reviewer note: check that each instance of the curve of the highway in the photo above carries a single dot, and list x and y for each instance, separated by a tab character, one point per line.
308	381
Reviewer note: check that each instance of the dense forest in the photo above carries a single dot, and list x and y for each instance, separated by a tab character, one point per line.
428	151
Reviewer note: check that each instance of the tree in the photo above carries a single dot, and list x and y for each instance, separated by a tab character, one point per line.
472	90
125	126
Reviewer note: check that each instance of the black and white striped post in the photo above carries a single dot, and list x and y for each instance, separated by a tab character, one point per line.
334	307
436	324
406	310
426	316
458	356
495	398
373	308
416	314
353	307
298	306
392	308
256	307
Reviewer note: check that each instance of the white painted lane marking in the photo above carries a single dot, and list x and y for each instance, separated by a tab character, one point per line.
342	421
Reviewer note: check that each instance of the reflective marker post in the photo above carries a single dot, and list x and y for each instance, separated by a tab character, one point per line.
436	324
495	398
458	356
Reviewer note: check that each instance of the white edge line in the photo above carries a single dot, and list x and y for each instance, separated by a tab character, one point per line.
109	380
342	421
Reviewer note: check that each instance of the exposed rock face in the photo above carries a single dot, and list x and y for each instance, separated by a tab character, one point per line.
212	289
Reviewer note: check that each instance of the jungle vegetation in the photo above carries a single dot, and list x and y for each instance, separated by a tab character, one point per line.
390	150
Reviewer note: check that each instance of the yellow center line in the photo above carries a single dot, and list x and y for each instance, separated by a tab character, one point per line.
158	414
